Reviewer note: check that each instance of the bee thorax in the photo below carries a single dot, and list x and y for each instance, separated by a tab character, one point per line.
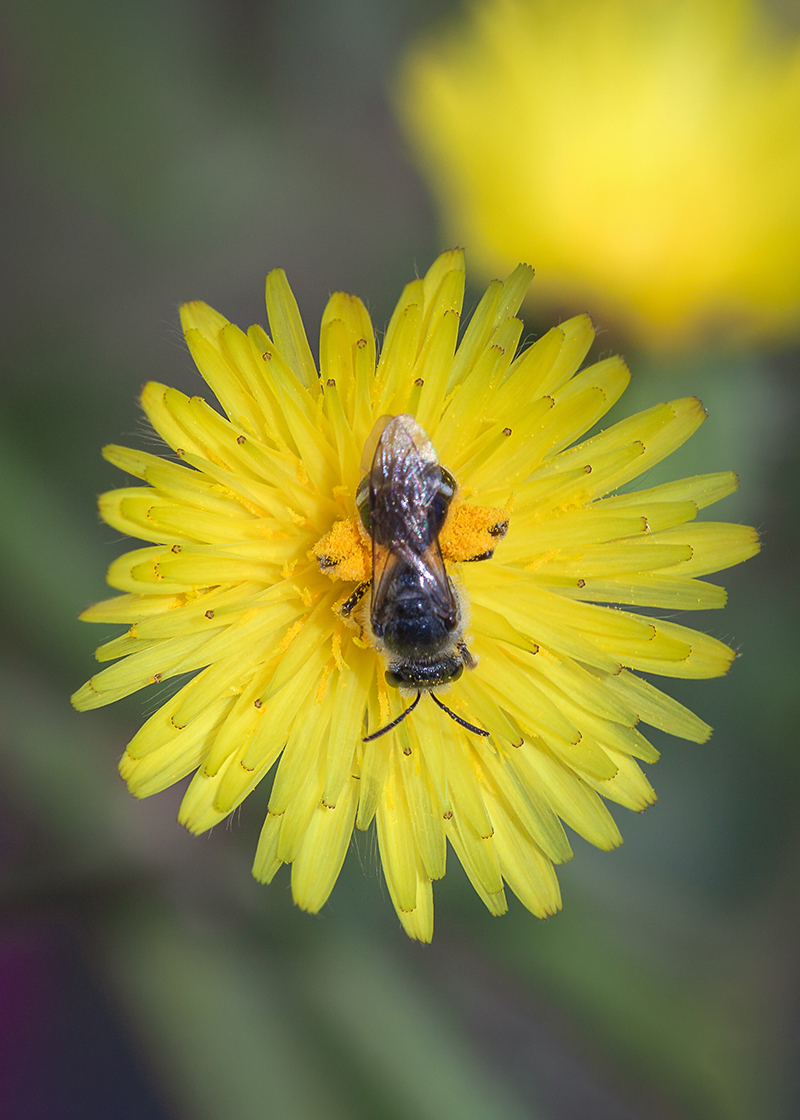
416	634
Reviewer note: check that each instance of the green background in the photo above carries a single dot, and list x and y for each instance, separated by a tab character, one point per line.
162	151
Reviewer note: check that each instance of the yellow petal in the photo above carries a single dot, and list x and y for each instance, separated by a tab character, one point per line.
323	849
287	328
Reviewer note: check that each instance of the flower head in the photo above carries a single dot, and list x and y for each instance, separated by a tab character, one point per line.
646	155
265	537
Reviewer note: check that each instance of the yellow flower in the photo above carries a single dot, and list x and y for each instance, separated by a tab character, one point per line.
645	155
259	548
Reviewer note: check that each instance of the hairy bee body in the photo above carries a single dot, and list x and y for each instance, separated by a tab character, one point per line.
415	614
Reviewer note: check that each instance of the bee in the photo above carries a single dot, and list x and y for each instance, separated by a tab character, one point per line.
415	613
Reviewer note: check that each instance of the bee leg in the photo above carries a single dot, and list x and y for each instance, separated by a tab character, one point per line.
467	659
497	532
350	604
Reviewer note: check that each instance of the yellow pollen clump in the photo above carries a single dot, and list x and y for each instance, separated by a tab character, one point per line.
343	553
472	531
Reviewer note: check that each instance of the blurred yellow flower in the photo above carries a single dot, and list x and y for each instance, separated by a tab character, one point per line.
257	585
643	155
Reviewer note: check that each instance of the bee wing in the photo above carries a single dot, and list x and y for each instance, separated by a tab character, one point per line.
430	569
404	481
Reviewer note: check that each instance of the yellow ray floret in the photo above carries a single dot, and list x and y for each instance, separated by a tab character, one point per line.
253	593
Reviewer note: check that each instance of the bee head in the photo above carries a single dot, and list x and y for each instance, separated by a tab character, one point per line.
424	675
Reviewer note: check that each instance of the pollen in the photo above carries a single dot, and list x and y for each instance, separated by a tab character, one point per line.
343	554
473	532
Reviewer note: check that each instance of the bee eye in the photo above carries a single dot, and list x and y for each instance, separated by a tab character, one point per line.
393	680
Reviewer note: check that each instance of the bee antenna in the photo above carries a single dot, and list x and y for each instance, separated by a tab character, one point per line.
400	718
458	719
